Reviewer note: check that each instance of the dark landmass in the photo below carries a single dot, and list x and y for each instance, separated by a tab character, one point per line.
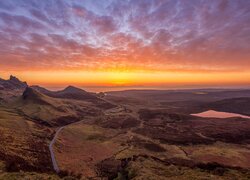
134	134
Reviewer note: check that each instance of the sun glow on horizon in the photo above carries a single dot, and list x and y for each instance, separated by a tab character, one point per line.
130	78
126	43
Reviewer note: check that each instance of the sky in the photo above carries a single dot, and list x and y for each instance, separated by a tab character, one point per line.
147	43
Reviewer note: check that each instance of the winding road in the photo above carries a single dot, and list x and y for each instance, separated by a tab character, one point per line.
55	165
52	155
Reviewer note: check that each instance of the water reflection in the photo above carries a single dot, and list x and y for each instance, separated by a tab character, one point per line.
217	114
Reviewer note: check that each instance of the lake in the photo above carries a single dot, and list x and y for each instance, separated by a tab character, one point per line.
218	114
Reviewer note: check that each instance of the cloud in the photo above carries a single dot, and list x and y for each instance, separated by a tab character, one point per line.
79	11
104	24
39	15
153	34
20	22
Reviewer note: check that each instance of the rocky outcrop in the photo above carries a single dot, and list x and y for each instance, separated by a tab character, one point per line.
12	83
11	88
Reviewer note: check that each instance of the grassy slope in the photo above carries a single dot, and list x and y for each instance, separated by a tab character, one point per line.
27	176
23	142
234	105
52	111
82	147
79	147
150	169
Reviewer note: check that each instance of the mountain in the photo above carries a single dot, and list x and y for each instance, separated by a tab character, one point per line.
11	88
140	135
75	93
12	83
34	96
69	92
51	111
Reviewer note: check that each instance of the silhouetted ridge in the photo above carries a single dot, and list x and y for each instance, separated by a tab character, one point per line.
73	89
13	78
72	92
12	83
32	95
69	92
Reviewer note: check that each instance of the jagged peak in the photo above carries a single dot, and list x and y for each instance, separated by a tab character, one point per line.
13	83
15	79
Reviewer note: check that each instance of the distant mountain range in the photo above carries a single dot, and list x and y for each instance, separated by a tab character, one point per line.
69	92
13	87
52	108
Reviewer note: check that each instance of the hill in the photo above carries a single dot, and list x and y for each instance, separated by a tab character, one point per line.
145	134
23	143
75	93
52	111
12	83
203	95
10	88
69	92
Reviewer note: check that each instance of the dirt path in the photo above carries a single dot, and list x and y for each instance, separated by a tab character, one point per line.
55	165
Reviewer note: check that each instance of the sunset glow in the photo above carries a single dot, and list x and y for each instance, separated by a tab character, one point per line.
126	43
143	78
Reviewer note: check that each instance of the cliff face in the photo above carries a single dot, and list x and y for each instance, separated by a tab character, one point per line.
12	83
12	87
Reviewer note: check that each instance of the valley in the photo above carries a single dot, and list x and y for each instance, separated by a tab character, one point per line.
122	135
124	90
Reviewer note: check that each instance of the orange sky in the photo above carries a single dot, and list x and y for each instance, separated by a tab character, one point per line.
126	43
133	78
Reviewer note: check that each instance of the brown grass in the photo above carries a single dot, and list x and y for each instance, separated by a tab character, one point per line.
24	144
80	147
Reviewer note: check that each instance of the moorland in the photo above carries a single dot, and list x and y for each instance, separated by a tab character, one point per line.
131	134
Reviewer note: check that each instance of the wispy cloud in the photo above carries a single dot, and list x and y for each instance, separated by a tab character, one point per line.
152	34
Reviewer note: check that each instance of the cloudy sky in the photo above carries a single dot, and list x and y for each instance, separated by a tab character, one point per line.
126	41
